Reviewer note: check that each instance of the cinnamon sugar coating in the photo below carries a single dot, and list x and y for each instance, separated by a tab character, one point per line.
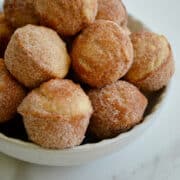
20	12
102	53
113	10
117	108
36	54
67	17
57	114
153	64
5	34
11	94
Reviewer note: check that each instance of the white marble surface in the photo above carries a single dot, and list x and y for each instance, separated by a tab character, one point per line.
154	156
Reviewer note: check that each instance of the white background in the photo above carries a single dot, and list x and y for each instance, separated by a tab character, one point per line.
155	155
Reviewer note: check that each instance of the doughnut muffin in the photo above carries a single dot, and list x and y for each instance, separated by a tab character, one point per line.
117	108
57	114
153	64
36	54
11	94
5	34
112	10
20	12
66	17
102	53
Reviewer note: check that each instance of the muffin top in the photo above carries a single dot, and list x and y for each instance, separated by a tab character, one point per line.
150	52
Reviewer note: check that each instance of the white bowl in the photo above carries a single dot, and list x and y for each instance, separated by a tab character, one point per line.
85	153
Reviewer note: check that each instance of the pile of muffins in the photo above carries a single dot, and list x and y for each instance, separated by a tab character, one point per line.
48	45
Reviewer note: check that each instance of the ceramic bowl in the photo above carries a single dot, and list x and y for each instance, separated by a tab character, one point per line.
30	152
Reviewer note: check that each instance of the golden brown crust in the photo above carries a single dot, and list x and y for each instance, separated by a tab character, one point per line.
5	34
11	94
66	17
20	12
102	53
36	54
57	114
159	78
112	10
117	108
153	64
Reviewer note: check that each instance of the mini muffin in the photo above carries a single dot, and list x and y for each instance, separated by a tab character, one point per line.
36	54
112	10
102	53
20	12
66	17
57	114
5	34
11	94
153	64
117	108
